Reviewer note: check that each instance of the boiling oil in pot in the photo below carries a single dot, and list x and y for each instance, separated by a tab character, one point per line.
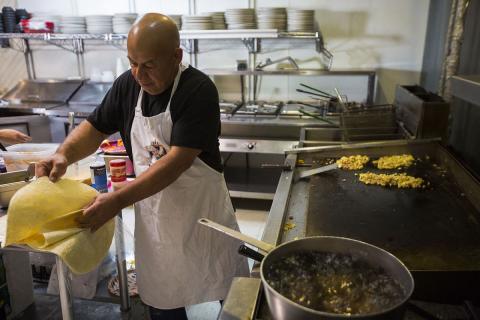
334	283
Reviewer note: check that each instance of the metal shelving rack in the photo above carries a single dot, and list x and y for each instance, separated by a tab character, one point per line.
189	38
252	39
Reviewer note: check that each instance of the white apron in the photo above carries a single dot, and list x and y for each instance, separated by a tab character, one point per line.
179	262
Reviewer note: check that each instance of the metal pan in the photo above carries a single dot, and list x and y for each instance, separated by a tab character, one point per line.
283	308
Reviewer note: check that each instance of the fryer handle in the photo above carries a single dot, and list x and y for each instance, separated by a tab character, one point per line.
250	253
237	235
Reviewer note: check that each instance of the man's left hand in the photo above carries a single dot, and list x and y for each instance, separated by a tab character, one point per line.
99	212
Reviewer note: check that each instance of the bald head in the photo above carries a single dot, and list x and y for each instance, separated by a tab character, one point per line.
154	52
153	32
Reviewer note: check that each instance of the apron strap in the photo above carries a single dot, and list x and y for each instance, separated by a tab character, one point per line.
182	67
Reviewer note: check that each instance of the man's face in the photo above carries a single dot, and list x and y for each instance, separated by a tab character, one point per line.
154	71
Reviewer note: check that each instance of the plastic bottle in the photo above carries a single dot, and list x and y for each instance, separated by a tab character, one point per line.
3	167
118	173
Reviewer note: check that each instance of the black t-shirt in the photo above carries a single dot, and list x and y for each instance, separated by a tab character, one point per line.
194	109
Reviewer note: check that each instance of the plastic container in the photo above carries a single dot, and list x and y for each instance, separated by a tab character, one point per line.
19	156
129	169
118	173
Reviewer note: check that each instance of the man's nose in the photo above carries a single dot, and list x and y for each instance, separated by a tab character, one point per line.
140	73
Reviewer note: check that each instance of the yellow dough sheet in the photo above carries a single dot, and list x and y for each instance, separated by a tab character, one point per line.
42	216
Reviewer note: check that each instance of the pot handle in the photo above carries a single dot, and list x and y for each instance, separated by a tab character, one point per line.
250	253
237	235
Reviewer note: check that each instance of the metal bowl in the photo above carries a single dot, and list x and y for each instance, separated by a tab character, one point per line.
283	308
8	190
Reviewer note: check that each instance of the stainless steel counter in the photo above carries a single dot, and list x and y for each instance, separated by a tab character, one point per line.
293	201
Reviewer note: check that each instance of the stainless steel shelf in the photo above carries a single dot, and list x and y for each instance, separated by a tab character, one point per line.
300	72
62	36
184	35
467	88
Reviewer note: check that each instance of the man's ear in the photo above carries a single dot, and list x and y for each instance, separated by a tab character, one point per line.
178	55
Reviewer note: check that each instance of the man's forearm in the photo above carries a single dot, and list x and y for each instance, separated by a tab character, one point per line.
82	142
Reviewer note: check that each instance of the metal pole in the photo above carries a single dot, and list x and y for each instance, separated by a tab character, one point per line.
79	49
71	121
371	88
121	263
28	59
65	288
242	88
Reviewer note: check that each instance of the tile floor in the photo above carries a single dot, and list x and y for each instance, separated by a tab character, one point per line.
251	216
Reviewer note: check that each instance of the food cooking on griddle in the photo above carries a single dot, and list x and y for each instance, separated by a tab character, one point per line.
334	282
395	161
352	162
399	180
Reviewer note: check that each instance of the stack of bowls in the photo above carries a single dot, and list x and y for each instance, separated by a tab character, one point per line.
21	14
240	18
3	42
177	18
272	18
200	22
73	24
9	20
218	20
99	24
300	20
122	22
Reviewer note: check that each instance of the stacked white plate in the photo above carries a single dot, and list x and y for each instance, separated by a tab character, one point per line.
240	18
99	24
300	20
218	20
122	22
200	22
73	24
177	18
42	17
272	18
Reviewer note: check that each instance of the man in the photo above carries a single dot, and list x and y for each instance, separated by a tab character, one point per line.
168	117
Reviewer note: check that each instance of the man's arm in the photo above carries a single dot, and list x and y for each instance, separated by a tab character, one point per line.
82	142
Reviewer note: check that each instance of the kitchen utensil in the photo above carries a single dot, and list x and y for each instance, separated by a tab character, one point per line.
283	308
317	117
311	172
319	91
313	93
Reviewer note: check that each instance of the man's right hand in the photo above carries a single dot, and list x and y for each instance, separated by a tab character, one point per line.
53	167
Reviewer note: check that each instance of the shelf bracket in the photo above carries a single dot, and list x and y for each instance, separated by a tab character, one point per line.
190	45
28	54
253	44
79	49
320	48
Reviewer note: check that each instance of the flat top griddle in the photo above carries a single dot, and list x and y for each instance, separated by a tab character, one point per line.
436	228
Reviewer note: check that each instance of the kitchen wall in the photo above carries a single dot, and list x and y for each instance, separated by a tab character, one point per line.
386	35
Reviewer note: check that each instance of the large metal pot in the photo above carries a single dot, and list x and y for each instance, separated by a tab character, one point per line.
283	308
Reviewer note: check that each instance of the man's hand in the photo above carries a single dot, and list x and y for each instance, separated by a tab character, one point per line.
13	136
53	167
99	212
